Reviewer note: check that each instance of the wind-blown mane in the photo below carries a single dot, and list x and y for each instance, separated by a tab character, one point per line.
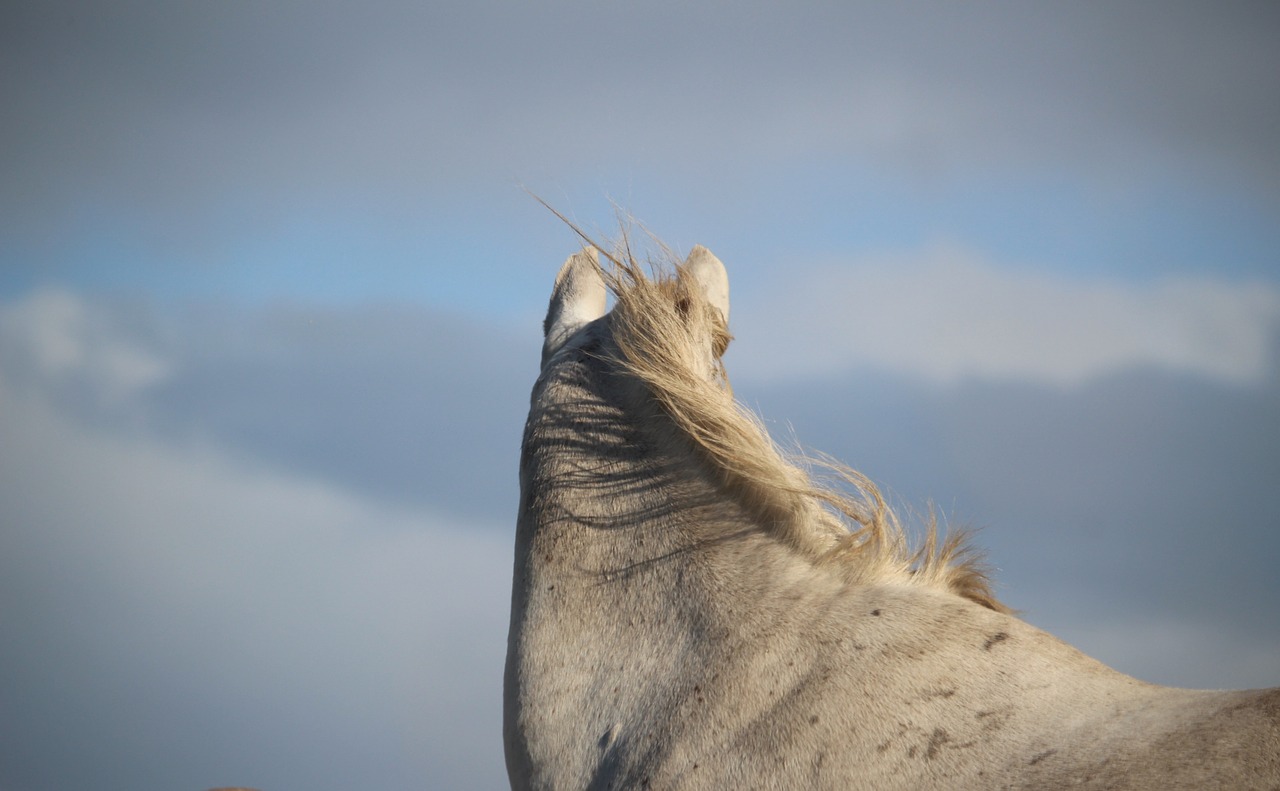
837	518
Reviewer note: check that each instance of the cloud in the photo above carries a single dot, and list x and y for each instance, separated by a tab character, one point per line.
176	108
56	338
205	589
396	402
946	315
182	617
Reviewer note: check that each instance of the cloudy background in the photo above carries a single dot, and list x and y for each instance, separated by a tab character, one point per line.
269	312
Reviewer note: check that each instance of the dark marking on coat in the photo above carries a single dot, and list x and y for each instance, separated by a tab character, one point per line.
994	719
998	637
937	739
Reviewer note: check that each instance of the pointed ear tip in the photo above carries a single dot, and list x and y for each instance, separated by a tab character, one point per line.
583	261
701	256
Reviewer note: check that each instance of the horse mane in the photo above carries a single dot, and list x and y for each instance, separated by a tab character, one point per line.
824	510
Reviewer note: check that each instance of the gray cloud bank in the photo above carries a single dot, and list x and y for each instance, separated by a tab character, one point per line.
272	547
401	404
181	109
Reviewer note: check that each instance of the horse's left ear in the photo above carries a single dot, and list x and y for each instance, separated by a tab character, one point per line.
577	300
710	275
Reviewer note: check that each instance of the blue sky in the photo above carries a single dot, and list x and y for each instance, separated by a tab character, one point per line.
346	249
271	289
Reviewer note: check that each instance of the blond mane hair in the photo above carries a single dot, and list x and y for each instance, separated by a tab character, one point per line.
826	511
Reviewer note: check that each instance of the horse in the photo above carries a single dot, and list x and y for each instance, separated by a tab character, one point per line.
694	608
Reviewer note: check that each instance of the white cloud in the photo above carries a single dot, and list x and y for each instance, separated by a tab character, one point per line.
56	337
945	314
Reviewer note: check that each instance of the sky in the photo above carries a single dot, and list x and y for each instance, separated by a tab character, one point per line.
271	286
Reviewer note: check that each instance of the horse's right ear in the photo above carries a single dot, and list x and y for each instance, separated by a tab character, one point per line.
711	277
578	300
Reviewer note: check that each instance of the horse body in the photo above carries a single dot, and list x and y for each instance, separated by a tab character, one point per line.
683	620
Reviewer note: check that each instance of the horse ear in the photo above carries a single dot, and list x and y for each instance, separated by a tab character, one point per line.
710	275
577	300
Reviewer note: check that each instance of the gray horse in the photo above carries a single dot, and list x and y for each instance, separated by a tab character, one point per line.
694	609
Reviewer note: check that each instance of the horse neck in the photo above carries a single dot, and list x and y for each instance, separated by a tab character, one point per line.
604	477
603	584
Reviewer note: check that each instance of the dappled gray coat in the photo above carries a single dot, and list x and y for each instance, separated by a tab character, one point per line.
691	609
